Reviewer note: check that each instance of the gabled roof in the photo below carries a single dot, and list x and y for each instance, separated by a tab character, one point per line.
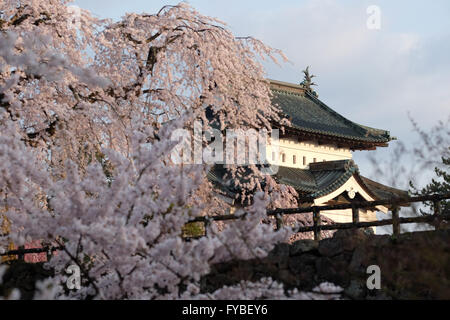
382	191
319	180
323	178
310	115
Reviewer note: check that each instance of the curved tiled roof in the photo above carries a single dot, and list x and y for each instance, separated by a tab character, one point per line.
309	114
384	192
323	178
320	179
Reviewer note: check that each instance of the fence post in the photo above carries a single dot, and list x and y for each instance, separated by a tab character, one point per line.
395	221
205	225
279	220
21	255
437	212
316	221
49	253
355	214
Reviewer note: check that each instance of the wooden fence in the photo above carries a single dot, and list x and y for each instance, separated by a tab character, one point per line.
436	219
21	253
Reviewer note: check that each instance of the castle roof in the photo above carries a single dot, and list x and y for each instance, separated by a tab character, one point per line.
321	179
311	118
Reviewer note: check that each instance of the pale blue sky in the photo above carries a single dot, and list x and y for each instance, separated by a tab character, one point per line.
423	17
373	77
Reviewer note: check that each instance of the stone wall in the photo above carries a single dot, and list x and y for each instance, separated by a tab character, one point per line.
413	266
23	276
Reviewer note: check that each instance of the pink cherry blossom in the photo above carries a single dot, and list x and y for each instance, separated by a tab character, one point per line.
86	116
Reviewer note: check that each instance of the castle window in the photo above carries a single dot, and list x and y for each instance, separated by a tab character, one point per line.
304	161
315	160
283	157
294	159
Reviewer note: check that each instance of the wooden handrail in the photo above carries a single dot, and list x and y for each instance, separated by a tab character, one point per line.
379	223
18	252
357	205
363	204
317	227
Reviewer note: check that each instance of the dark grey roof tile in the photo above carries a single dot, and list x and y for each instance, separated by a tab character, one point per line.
307	113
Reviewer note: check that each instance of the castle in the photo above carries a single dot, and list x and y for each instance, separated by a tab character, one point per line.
314	155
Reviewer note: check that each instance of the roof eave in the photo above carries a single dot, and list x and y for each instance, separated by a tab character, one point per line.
352	143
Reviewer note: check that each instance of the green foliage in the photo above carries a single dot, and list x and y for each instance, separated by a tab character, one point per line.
193	230
440	185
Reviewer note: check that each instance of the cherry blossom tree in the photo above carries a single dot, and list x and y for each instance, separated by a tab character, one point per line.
87	113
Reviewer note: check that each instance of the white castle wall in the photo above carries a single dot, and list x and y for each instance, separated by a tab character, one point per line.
311	151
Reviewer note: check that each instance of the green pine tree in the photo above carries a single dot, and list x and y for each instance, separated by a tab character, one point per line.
439	185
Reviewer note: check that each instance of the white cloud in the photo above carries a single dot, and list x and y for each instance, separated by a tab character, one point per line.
372	77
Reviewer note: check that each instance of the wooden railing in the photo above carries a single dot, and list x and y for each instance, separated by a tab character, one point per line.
436	219
20	253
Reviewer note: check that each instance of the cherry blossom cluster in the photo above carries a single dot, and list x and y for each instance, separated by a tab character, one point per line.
86	117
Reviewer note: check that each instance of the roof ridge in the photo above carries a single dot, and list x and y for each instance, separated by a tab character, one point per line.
340	181
289	92
345	164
